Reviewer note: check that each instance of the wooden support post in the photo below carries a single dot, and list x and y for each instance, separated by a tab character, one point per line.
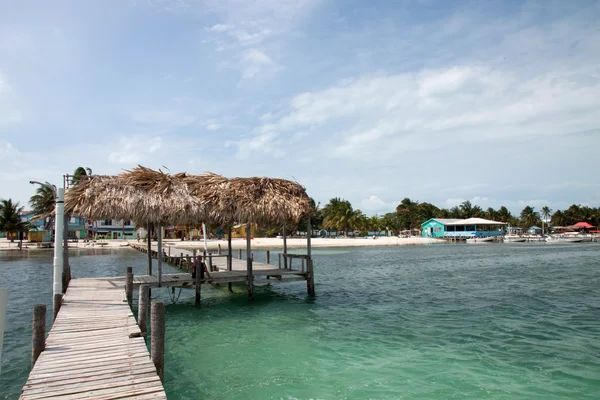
157	346
249	273
279	260
129	285
66	265
219	247
229	253
198	267
143	307
38	342
240	254
169	251
57	303
252	256
188	260
210	264
181	261
268	257
149	250
310	279
284	247
159	255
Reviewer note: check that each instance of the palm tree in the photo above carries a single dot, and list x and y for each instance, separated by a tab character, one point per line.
558	218
407	209
466	209
43	203
477	212
375	223
339	214
490	213
545	212
504	215
529	217
10	219
455	212
80	173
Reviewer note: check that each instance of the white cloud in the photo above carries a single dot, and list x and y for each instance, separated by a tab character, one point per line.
220	28
134	149
212	126
374	205
393	114
254	62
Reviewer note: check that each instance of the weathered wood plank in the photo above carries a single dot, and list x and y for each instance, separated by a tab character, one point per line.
89	354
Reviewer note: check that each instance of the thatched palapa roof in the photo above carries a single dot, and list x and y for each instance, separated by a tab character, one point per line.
143	194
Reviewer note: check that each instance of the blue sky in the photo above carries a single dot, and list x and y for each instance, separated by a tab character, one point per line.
439	101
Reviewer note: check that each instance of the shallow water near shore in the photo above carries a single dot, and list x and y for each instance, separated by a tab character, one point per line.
428	322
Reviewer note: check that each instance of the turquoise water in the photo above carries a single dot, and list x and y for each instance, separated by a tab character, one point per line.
426	322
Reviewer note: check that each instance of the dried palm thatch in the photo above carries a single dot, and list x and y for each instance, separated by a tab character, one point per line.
261	200
143	194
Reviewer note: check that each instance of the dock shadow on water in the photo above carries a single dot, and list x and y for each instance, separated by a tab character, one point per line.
435	322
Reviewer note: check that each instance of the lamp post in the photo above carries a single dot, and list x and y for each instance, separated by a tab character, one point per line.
59	223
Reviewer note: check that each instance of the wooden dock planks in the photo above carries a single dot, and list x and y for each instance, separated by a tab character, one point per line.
89	354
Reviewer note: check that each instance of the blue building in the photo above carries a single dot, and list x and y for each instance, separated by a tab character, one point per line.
113	229
461	228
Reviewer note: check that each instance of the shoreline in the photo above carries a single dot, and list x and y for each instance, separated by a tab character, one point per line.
257	243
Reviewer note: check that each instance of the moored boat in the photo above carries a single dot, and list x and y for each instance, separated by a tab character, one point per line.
514	239
564	238
487	239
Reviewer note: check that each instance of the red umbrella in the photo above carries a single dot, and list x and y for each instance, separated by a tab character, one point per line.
583	225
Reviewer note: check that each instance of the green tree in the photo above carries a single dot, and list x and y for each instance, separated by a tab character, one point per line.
408	212
455	212
545	212
10	219
443	213
477	212
558	218
490	213
466	209
426	211
43	204
80	173
338	214
529	217
504	215
391	221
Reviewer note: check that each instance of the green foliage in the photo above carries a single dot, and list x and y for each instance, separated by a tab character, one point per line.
43	204
338	214
80	173
10	218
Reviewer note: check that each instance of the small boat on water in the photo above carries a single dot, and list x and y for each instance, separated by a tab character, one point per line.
569	238
514	239
487	239
535	238
513	235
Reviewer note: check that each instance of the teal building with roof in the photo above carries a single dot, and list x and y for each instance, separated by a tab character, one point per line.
461	228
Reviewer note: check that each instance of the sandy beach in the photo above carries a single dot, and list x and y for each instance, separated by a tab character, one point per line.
257	243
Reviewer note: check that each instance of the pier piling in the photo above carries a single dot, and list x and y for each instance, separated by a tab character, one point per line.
157	321
129	285
197	266
144	292
57	303
38	341
268	257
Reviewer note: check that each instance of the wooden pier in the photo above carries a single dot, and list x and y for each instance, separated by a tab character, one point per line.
217	270
94	349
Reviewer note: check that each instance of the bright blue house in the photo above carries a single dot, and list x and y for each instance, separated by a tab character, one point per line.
461	228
